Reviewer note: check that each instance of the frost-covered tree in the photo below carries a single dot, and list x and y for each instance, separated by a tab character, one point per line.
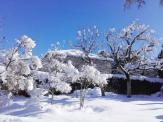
87	42
131	48
88	76
19	63
159	63
59	74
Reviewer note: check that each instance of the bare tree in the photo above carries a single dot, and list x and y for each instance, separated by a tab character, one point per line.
139	3
87	40
130	48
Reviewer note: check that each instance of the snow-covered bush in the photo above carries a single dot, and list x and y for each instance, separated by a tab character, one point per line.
92	75
35	63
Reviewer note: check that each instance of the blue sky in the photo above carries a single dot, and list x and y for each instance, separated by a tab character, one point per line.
49	21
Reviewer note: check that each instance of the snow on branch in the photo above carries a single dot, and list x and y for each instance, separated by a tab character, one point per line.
138	77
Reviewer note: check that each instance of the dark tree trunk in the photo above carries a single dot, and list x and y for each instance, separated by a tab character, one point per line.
102	91
128	85
82	97
128	81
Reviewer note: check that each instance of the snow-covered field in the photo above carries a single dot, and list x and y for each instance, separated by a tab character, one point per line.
111	108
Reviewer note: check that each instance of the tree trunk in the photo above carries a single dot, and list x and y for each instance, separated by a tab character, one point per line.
52	98
81	98
128	86
128	81
102	91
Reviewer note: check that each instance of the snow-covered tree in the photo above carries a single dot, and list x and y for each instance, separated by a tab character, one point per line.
87	42
131	48
87	76
159	63
19	63
59	74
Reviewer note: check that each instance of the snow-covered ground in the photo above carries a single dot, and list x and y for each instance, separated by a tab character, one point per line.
111	108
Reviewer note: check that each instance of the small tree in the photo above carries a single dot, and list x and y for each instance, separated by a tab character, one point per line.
59	74
88	42
19	63
89	75
130	48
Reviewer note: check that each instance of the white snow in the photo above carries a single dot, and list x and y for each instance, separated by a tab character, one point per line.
78	53
112	108
2	69
96	92
73	52
138	77
42	76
